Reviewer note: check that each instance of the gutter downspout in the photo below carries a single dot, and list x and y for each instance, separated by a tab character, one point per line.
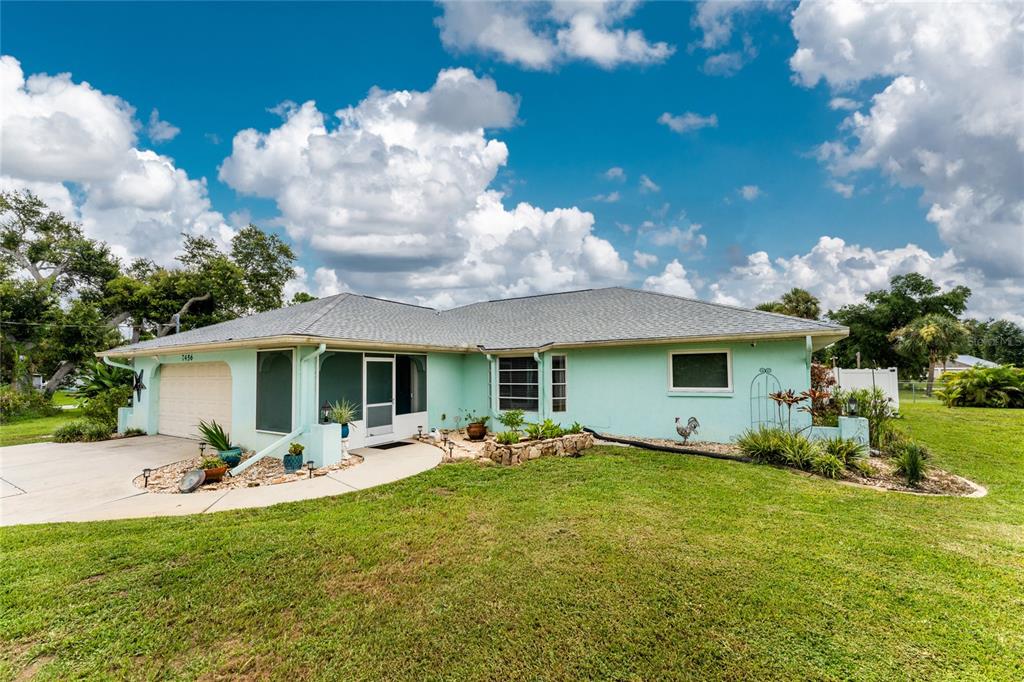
321	349
542	406
108	361
492	382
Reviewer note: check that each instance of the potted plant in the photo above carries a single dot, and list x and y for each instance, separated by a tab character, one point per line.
344	412
476	427
218	439
214	468
293	460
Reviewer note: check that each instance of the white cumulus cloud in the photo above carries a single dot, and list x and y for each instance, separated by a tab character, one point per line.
673	280
541	35
77	148
948	118
749	192
398	189
644	260
688	121
160	131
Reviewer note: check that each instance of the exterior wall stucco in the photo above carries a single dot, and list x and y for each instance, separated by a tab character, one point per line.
622	390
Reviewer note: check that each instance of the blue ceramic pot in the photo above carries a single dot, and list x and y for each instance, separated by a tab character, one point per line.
231	457
344	430
292	463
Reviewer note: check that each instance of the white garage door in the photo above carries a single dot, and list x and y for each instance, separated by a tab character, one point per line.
191	391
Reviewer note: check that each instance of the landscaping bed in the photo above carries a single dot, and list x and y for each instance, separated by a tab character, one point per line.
873	470
267	471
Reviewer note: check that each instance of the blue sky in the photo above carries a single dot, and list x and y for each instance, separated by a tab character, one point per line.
213	70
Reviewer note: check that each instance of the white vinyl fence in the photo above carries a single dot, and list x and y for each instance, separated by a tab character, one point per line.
885	379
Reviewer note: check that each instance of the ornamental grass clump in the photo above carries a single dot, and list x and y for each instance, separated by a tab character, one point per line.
827	465
844	450
507	437
910	463
798	452
763	445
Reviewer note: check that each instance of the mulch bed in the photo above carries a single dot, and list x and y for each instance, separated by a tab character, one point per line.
267	471
883	477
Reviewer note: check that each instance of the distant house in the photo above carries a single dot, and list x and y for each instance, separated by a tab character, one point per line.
617	360
963	362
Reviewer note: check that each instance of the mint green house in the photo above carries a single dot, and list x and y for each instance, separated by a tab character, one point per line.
619	361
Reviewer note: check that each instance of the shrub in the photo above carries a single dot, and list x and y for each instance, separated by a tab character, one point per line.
133	432
293	449
983	387
892	439
82	430
212	463
575	428
872	404
102	407
512	419
763	445
846	451
507	437
27	402
98	377
534	431
827	465
798	452
910	462
550	429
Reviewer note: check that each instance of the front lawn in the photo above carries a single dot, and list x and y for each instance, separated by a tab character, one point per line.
619	564
33	429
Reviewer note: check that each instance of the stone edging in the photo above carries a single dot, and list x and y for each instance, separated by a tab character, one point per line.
569	445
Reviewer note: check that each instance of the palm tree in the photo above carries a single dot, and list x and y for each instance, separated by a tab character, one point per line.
795	302
937	336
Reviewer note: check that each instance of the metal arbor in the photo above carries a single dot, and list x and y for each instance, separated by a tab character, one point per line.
764	412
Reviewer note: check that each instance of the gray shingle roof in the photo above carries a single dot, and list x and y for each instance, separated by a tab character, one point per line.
575	317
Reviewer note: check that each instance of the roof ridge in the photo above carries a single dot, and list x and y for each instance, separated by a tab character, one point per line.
520	298
828	325
338	298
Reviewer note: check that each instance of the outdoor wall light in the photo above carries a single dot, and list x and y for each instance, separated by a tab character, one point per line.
851	407
309	466
325	413
145	476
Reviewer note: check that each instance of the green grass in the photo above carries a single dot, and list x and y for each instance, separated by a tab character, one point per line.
621	564
64	398
33	429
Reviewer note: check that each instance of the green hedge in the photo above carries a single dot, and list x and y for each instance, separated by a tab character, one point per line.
983	387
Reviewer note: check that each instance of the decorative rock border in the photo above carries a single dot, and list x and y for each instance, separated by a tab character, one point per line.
570	445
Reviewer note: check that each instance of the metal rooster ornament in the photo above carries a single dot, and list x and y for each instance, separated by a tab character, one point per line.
686	431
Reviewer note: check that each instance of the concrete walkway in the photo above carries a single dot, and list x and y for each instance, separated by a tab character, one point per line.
45	482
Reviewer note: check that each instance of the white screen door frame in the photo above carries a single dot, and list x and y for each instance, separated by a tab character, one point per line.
379	410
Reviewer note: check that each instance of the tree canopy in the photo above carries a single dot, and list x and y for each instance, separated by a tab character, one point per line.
796	302
1000	341
64	296
935	336
908	297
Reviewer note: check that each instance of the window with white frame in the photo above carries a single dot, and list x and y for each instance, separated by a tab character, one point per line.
558	383
518	384
700	371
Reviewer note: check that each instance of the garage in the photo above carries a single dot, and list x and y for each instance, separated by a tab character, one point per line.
191	391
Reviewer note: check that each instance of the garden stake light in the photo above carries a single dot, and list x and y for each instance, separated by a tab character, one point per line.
309	466
145	476
419	433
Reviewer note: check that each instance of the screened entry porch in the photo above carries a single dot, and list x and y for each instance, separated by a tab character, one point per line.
389	391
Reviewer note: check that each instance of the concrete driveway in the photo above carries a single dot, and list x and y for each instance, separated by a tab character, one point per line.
45	482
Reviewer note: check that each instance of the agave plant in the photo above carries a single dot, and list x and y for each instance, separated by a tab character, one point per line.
214	435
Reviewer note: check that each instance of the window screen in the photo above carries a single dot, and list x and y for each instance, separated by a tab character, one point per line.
341	378
558	383
517	384
274	391
410	384
700	370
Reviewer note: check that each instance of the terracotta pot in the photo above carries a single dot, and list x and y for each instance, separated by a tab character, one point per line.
214	475
476	431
